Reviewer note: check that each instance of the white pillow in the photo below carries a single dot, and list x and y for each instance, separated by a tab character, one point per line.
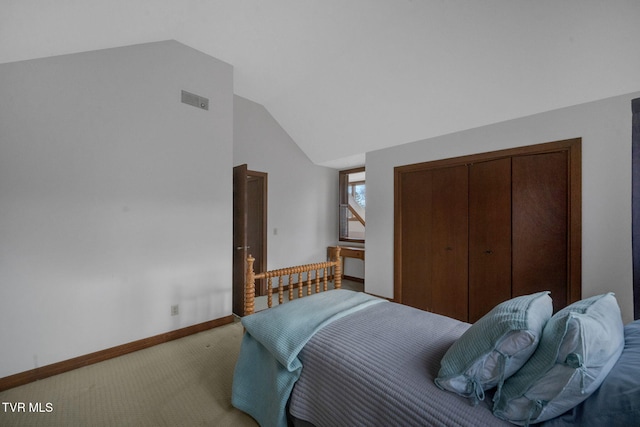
579	346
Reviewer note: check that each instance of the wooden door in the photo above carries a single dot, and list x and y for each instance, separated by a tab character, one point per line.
249	229
449	243
489	235
540	225
434	240
240	245
257	224
415	193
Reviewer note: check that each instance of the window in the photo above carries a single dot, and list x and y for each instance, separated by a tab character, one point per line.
353	202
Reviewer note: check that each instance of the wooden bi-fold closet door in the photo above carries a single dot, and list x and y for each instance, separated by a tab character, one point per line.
489	235
436	240
540	228
475	231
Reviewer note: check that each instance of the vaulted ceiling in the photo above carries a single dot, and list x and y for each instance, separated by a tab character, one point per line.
345	77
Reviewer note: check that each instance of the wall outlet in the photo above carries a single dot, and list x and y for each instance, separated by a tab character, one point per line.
174	310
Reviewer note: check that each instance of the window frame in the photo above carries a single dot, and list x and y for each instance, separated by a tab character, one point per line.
343	203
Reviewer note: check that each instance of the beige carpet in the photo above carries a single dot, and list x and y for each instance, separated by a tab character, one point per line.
186	382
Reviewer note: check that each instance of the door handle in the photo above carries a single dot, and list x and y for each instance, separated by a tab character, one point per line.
239	248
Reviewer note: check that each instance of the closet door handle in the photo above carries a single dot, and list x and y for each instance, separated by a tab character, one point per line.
239	248
488	252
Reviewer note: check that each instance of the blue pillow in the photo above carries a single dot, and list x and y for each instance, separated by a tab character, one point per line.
579	346
495	347
617	401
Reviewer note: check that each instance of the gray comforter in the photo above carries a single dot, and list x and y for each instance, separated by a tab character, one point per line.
376	368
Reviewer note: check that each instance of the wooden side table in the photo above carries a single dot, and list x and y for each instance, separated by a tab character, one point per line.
347	252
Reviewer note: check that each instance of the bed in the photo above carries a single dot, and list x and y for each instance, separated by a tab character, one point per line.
344	358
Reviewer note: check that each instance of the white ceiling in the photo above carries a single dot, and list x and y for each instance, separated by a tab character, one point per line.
344	77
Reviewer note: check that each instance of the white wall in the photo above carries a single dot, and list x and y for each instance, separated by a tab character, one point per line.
605	129
115	199
302	197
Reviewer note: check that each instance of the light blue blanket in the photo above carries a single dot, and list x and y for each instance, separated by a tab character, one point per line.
268	365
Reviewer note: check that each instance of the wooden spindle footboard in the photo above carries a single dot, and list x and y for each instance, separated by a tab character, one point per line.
315	277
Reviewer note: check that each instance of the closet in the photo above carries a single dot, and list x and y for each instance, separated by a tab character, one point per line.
474	231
